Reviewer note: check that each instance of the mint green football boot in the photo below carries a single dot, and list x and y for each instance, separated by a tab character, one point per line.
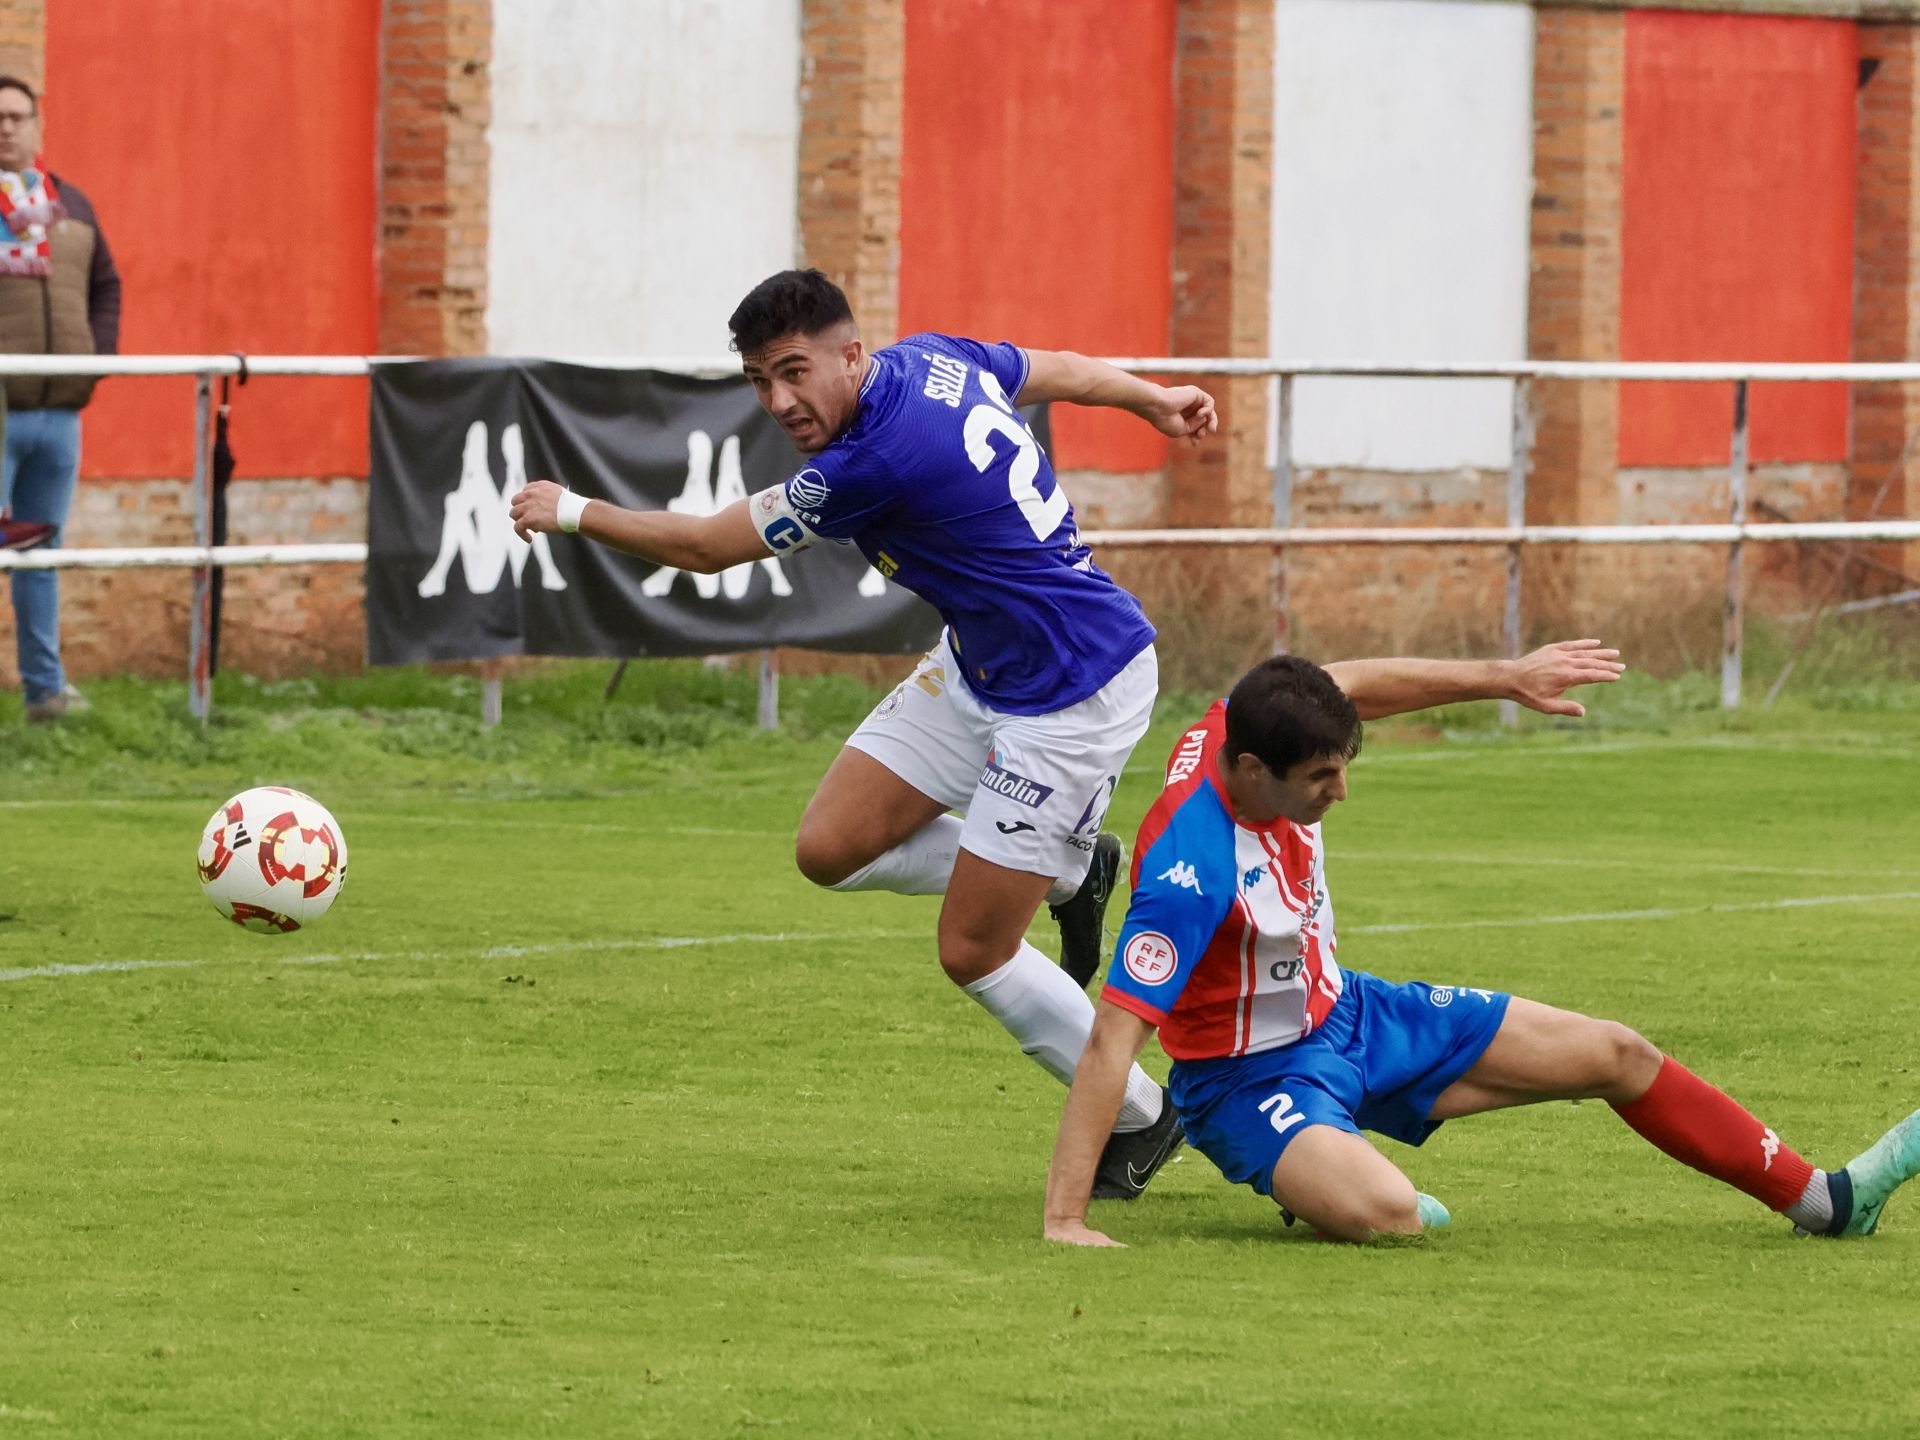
1432	1213
1876	1173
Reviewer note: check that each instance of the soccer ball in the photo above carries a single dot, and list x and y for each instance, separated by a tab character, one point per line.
272	859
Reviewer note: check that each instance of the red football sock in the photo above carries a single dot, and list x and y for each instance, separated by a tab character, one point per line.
1707	1128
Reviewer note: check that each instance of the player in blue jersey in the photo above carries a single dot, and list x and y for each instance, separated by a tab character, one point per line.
1281	1059
1024	714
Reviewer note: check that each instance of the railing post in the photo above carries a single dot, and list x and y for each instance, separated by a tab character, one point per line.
1518	468
200	631
491	699
769	692
1733	637
1282	514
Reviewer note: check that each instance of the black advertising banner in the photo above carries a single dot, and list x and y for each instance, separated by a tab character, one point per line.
447	579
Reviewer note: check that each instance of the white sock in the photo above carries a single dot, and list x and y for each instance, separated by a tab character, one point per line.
1813	1211
919	865
1051	1017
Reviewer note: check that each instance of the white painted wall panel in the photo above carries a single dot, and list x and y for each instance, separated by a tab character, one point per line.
643	170
1402	185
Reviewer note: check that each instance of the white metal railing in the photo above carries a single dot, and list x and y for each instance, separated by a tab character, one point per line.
1515	535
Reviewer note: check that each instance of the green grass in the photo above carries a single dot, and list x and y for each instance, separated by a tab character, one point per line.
583	1114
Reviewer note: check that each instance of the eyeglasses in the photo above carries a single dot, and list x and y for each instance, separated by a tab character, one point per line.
18	117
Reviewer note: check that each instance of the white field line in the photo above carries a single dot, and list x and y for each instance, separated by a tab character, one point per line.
1492	750
558	823
1666	866
494	952
1602	917
676	942
53	972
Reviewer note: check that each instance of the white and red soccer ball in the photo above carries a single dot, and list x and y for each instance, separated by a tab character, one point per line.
272	859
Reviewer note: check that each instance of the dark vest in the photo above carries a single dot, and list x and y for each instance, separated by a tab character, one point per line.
47	315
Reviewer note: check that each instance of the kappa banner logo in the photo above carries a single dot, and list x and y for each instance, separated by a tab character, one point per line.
713	483
707	491
1150	958
478	529
1181	874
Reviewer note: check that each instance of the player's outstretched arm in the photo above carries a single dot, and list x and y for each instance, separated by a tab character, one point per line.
1183	411
706	544
1538	681
1093	1104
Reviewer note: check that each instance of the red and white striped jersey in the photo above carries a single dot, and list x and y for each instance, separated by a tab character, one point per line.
1228	942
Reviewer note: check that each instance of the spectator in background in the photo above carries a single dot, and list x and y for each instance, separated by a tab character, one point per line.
59	295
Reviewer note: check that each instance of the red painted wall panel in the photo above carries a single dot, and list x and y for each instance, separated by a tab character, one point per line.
1737	231
1036	189
229	148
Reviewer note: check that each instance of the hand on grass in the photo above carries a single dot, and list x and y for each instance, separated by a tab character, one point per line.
1075	1232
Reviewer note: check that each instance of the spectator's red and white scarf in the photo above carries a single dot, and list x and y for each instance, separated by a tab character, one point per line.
29	203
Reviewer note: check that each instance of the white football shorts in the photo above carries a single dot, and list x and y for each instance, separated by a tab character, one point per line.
1034	788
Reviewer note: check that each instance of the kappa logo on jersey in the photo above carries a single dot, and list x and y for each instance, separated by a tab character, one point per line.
807	492
1030	793
1181	874
1187	758
1150	958
1252	877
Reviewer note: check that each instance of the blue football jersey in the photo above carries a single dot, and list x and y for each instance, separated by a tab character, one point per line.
944	489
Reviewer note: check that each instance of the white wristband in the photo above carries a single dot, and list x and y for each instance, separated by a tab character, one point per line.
568	510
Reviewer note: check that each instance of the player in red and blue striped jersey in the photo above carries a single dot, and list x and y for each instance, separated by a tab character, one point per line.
1282	1059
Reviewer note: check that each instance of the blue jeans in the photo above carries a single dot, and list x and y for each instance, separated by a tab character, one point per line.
43	466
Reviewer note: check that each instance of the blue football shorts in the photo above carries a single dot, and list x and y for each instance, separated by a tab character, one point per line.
1378	1062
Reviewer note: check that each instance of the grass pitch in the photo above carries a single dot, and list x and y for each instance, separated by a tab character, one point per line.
583	1113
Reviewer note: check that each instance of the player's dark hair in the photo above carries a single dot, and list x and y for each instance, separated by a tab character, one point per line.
794	302
1286	710
14	82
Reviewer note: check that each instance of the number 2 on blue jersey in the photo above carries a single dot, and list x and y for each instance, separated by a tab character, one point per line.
1043	514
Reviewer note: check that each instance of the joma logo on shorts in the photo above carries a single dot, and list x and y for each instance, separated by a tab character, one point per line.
1015	787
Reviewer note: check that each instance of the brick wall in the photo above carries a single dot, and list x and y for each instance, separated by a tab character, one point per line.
1884	473
432	251
279	621
851	86
433	176
23	40
1574	304
1214	607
